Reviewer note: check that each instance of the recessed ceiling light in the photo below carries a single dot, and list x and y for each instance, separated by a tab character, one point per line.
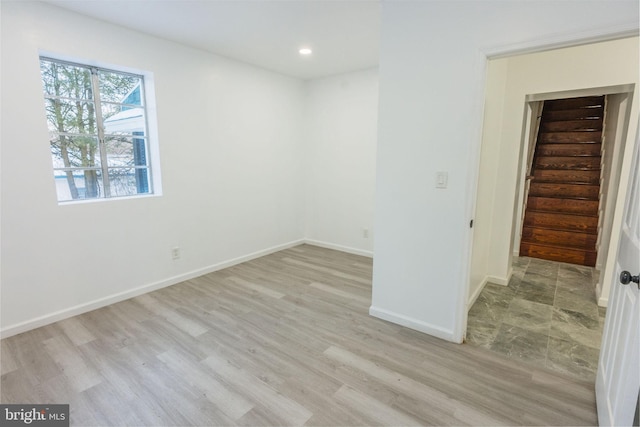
305	51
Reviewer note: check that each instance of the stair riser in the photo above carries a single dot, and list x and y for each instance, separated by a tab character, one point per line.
570	137
569	150
582	241
573	103
572	125
559	254
578	191
567	176
565	222
568	163
577	114
580	207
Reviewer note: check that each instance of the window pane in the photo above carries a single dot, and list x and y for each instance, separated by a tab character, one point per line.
128	181
66	80
118	120
119	151
71	116
121	88
78	185
75	151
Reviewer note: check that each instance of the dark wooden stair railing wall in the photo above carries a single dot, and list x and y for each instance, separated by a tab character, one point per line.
561	217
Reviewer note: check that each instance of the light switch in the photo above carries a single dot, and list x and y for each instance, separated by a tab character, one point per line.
441	179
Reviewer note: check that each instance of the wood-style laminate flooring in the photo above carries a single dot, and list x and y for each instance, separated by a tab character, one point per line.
285	339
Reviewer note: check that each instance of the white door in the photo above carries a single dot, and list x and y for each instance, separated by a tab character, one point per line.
618	380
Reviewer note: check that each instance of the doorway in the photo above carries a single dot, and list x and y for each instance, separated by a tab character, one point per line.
615	130
499	276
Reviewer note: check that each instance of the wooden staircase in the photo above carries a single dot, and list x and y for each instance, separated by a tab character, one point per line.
561	216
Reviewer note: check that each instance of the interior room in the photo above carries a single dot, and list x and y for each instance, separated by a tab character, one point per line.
283	213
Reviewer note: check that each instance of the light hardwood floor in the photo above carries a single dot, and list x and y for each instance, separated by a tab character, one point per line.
282	340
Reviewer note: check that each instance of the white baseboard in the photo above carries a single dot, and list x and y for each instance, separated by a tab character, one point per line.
411	323
477	292
498	280
121	296
504	281
602	301
340	248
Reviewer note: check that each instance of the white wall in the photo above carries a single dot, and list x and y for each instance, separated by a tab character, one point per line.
570	69
615	108
251	162
432	62
231	151
340	135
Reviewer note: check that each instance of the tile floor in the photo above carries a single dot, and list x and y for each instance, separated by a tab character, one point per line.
547	315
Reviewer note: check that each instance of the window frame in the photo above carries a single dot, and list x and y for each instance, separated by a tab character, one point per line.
147	104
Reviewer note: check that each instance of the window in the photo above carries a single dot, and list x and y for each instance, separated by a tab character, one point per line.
97	131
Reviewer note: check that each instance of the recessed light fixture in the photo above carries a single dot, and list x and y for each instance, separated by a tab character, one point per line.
305	51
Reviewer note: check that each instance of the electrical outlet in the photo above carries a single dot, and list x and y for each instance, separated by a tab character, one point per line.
365	233
175	253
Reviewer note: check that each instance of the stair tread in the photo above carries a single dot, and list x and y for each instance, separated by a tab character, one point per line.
574	114
573	137
572	198
562	180
560	246
570	169
586	248
561	142
566	176
582	102
554	199
592	118
589	117
585	207
534	228
571	130
559	213
552	196
537	179
569	156
559	181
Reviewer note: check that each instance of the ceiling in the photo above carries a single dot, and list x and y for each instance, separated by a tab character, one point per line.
268	33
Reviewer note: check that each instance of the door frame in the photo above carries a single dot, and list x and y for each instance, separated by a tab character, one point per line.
464	299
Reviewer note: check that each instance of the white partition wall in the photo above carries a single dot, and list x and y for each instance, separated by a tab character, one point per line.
432	63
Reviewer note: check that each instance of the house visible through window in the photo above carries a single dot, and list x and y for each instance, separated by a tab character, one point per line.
97	131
